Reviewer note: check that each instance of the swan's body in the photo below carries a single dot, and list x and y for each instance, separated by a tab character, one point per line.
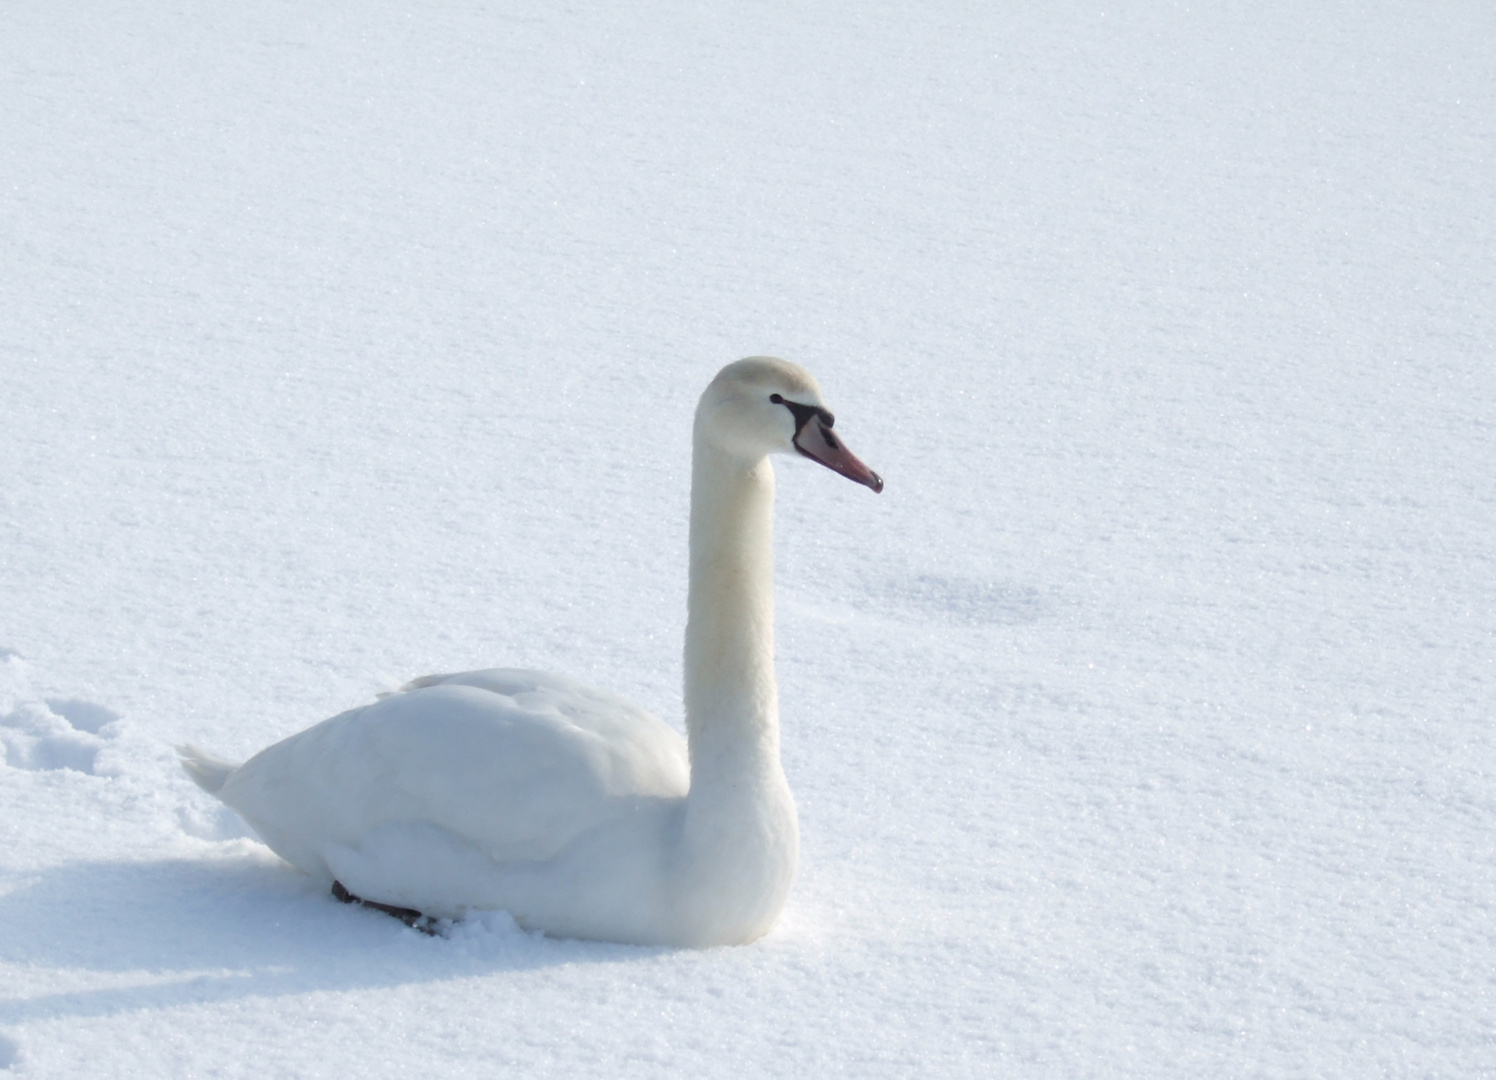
579	813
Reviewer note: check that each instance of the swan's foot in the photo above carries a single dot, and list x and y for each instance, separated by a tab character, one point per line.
409	916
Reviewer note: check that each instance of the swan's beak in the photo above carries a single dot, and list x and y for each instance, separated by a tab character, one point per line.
817	441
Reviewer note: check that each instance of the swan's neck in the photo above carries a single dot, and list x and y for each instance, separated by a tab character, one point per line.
740	838
732	703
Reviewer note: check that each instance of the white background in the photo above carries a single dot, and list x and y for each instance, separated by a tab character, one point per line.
1142	727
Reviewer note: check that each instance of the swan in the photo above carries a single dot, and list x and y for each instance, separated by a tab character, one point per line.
577	812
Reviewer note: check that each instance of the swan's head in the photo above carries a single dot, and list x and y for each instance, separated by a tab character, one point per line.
764	405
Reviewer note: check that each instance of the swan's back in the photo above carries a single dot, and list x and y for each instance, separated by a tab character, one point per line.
514	764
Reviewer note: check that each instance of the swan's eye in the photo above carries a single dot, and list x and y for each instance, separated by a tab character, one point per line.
804	413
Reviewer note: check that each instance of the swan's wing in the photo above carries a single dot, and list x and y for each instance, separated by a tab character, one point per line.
647	748
515	763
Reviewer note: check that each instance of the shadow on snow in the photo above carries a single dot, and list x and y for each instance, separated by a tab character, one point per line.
208	930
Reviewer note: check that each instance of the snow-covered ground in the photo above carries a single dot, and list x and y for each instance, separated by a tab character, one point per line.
1142	727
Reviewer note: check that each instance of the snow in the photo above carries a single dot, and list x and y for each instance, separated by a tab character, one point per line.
1142	727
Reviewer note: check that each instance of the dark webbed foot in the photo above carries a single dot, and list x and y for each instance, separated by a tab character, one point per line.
409	916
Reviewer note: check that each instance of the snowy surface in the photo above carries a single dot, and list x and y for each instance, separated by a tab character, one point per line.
1143	727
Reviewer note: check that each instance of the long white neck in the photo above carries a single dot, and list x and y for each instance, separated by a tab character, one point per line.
740	839
732	703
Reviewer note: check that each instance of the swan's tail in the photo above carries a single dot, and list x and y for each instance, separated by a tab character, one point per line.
207	772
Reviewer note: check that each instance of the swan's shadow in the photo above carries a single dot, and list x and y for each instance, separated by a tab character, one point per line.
199	931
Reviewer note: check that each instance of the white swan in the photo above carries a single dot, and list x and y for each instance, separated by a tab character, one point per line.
577	812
